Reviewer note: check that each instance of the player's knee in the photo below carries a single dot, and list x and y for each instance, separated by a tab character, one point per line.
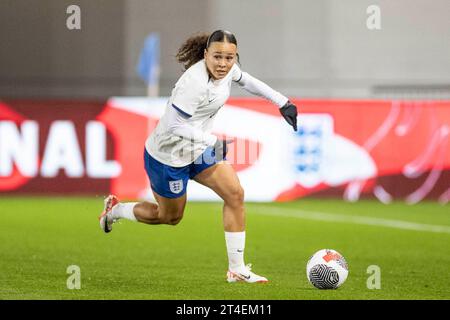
175	221
171	217
236	196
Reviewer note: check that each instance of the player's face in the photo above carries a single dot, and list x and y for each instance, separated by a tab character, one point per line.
220	57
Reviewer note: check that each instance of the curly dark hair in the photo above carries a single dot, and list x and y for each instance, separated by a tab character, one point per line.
192	50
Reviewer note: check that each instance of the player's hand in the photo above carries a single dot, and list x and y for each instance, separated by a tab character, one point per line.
289	112
221	149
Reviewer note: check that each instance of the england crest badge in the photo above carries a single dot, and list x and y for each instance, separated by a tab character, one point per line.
176	186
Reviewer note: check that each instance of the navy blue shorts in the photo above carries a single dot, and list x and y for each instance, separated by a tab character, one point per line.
171	182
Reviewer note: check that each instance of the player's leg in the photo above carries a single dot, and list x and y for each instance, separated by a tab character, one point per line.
169	188
170	210
223	180
146	212
165	211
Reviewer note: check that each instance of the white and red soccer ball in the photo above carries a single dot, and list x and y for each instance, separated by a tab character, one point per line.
327	269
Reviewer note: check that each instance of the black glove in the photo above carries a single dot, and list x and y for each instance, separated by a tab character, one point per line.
289	112
221	149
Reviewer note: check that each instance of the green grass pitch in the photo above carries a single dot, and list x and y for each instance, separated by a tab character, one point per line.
41	237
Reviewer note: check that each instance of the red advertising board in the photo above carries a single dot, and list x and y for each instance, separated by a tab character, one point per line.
383	149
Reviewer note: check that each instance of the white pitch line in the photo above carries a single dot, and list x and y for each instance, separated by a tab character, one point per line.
331	217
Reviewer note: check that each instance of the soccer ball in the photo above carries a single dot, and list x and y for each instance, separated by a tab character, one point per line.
327	269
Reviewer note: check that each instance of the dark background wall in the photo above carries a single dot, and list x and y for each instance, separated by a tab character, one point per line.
303	48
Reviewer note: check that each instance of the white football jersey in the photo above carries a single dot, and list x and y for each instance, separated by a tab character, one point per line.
198	97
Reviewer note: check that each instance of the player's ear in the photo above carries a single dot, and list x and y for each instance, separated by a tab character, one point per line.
204	53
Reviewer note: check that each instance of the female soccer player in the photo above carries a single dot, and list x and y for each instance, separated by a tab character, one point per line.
181	147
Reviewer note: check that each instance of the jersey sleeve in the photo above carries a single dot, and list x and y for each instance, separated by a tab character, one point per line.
259	88
236	73
178	125
187	96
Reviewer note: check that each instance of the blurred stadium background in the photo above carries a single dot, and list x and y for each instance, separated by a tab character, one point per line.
315	49
374	141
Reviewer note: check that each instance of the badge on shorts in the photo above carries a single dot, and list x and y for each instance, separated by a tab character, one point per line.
176	186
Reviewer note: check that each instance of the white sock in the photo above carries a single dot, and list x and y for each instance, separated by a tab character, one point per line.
124	210
235	246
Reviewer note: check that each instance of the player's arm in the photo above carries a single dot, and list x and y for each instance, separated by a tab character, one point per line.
178	125
187	97
259	88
